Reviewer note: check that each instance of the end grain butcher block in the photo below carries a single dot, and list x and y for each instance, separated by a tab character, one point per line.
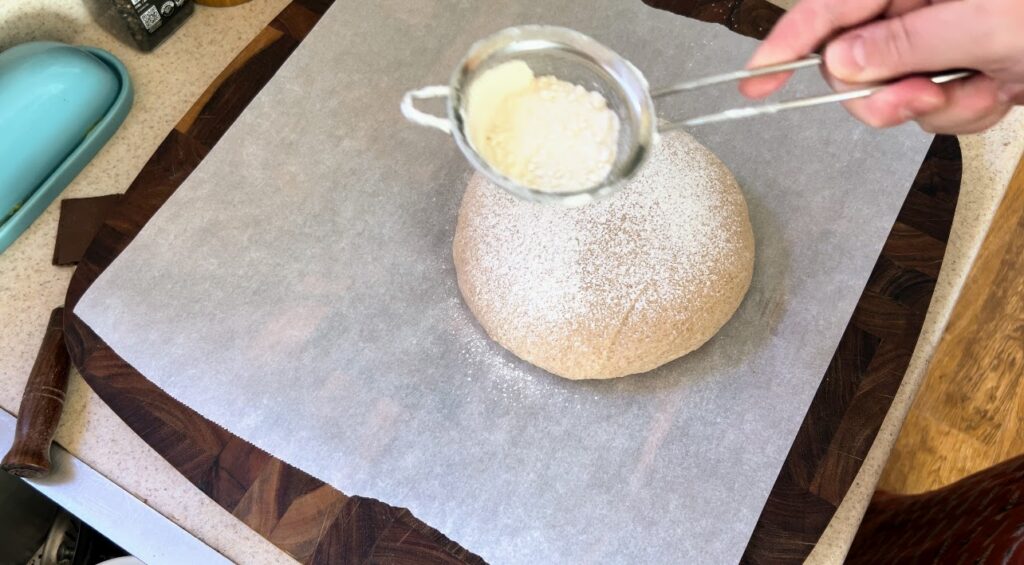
316	523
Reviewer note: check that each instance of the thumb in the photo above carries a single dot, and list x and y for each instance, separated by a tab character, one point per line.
938	37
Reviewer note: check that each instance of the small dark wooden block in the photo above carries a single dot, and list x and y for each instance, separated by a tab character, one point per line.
80	219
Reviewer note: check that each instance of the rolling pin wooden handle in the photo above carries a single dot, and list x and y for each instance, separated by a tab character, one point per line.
41	405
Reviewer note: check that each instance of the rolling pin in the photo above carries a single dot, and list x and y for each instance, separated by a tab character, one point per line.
41	405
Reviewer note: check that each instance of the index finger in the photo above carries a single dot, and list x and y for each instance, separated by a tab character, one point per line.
801	31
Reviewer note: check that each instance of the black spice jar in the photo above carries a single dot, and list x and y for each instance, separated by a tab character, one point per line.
151	21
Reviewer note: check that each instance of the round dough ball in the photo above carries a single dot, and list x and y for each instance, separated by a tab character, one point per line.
613	288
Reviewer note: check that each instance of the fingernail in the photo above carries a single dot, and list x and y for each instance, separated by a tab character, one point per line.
846	58
1009	92
920	107
907	113
857	50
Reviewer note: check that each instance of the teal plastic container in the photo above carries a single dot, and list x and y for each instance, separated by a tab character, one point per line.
59	105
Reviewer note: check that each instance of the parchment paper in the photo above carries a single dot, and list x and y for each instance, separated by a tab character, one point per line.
298	289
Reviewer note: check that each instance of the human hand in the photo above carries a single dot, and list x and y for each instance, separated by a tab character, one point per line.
886	39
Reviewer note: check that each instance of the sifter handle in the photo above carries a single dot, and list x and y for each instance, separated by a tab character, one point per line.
41	405
810	61
419	117
750	111
757	110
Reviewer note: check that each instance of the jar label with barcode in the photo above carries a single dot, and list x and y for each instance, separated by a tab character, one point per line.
152	13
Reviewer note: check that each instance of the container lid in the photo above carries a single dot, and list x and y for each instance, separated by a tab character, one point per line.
59	105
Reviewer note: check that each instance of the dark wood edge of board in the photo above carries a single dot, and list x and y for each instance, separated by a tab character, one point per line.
315	523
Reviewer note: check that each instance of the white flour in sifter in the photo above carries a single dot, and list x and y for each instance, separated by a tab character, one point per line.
613	288
542	132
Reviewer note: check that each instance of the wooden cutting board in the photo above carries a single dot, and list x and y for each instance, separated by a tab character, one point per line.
316	523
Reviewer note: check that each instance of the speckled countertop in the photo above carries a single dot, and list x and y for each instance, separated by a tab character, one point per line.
167	82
